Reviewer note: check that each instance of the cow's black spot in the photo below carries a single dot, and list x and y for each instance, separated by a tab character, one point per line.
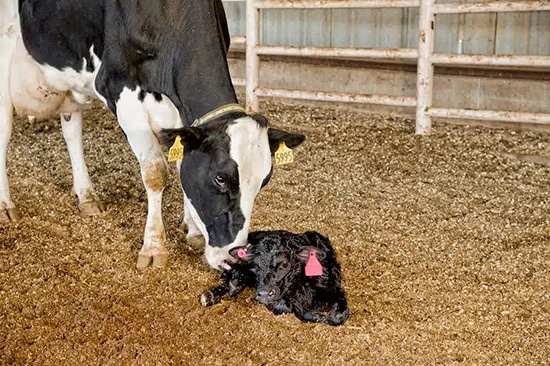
158	96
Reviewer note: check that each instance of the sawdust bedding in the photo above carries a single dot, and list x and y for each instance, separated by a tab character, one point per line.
443	241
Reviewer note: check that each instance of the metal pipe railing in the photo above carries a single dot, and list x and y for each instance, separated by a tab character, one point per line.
404	53
338	97
334	4
491	6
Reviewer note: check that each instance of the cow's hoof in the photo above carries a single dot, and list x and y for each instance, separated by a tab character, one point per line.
91	208
160	260
143	261
9	214
196	242
155	261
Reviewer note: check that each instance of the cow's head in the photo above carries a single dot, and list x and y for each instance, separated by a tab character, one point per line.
225	164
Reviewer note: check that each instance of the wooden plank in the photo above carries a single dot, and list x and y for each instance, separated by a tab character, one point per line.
513	30
368	27
479	33
353	28
539	35
391	28
446	31
296	27
317	27
236	17
412	28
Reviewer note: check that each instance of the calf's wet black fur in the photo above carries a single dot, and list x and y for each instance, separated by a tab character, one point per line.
292	273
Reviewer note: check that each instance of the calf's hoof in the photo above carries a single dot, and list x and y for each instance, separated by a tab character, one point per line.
208	299
9	214
91	208
155	261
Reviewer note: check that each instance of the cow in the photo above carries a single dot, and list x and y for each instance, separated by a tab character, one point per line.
291	273
161	68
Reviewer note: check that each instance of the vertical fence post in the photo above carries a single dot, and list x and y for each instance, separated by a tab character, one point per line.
425	68
252	59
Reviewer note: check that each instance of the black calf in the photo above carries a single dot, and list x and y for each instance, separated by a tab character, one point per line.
292	273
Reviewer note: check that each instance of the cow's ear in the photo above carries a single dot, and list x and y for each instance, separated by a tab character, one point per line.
303	253
191	137
290	139
241	253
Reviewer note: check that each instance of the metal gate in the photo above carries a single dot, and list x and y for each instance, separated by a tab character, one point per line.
424	56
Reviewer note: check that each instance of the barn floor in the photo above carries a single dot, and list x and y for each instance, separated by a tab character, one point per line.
444	243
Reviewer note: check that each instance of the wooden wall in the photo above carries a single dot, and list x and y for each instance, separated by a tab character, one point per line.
491	33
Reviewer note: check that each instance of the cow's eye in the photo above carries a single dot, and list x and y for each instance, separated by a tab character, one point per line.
219	180
283	265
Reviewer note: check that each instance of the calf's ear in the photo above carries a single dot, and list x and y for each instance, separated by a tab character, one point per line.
191	137
303	253
241	253
255	237
290	139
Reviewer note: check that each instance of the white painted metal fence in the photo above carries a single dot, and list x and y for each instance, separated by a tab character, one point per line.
425	56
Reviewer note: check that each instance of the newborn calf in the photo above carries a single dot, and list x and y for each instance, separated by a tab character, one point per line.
292	273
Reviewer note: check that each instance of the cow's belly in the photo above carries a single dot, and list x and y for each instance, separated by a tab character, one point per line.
43	91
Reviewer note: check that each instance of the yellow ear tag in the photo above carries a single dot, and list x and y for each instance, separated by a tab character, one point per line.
283	155
176	151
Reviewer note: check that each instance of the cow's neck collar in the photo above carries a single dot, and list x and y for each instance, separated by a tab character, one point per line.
218	112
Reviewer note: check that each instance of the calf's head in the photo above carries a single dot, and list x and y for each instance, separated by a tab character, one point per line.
225	164
278	264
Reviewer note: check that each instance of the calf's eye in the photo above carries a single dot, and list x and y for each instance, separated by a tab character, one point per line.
219	180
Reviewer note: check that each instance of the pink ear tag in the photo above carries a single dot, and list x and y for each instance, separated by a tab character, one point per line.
313	267
241	253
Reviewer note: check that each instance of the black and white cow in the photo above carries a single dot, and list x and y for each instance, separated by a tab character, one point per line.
161	67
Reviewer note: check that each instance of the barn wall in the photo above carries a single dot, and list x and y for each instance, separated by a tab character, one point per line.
492	33
525	33
499	91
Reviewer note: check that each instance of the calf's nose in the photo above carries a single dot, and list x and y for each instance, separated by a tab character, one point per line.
265	296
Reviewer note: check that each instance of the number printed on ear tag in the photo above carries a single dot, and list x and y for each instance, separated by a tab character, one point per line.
176	151
283	155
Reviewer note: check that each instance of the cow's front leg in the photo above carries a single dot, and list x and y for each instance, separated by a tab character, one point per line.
133	119
71	125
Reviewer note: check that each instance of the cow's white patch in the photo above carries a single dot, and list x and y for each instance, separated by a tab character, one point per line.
162	114
79	82
195	226
43	90
249	147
